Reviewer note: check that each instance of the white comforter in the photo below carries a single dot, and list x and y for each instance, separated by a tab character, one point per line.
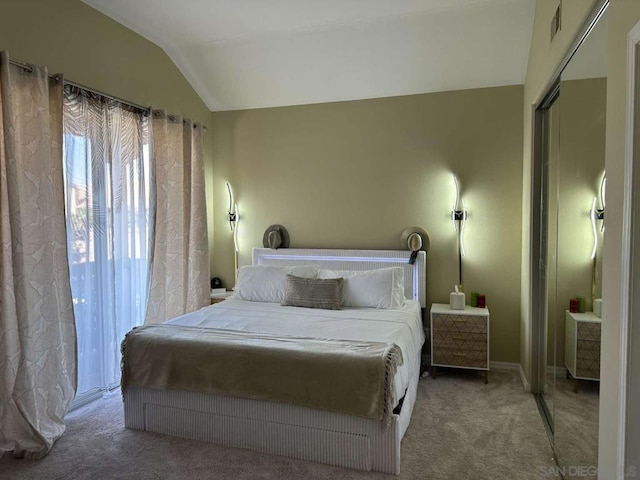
402	327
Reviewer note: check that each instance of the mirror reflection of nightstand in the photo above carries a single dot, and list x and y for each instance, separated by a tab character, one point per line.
220	297
582	346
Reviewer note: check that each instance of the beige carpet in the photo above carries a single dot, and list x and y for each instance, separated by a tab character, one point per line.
461	429
576	427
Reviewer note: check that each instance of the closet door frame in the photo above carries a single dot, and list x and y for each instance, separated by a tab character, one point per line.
628	441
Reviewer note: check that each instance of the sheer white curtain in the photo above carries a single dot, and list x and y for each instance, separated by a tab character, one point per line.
37	332
110	210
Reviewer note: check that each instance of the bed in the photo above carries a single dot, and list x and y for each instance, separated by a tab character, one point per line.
313	434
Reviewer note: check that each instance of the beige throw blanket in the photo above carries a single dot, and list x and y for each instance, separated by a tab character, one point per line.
351	377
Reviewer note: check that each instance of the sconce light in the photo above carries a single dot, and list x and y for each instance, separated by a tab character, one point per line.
233	217
459	218
459	215
596	214
232	214
603	187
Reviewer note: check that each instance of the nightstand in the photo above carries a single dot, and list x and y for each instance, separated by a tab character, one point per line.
582	346
460	338
220	297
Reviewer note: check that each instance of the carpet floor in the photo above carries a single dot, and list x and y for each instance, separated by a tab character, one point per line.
461	429
576	427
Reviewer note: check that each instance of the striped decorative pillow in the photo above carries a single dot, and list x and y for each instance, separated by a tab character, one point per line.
313	292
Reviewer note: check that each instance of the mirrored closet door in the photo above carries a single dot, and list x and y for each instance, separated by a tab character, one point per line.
549	244
572	210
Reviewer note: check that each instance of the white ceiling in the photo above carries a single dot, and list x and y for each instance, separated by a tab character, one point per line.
240	54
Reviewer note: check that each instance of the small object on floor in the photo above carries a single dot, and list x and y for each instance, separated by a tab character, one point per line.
425	374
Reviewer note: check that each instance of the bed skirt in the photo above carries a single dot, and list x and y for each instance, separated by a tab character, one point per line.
274	428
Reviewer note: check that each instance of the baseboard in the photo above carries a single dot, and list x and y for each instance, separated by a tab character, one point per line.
516	367
558	371
525	382
91	396
512	367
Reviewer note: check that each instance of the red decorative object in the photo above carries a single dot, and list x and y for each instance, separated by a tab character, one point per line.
482	301
573	305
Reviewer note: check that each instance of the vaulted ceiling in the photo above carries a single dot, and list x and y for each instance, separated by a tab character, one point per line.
240	54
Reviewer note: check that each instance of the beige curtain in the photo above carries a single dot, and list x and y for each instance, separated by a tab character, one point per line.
180	264
37	329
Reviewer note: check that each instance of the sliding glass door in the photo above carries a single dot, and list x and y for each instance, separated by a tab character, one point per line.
109	228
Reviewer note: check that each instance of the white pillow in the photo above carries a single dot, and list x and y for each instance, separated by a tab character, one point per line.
266	283
381	288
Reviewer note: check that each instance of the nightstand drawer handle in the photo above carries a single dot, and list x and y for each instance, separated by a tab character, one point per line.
455	354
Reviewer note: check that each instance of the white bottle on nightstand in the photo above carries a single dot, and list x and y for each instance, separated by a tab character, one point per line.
456	299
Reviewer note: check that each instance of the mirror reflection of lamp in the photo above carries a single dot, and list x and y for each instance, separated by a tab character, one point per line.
596	214
459	218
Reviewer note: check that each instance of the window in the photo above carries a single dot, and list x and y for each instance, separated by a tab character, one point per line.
109	209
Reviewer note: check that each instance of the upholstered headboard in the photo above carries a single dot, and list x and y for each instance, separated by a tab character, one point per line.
414	275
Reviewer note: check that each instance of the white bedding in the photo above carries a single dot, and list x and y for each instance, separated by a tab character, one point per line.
402	327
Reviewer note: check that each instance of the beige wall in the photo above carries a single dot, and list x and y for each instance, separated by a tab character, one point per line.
356	174
89	48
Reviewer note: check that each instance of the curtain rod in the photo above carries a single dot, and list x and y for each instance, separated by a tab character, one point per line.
147	110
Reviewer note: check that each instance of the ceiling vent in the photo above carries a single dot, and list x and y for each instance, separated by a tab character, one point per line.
556	22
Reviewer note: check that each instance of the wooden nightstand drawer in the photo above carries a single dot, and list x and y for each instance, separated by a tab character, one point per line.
585	349
460	323
588	368
472	341
589	331
460	357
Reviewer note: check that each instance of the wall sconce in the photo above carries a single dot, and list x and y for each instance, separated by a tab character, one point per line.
232	214
603	187
233	217
596	214
459	218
